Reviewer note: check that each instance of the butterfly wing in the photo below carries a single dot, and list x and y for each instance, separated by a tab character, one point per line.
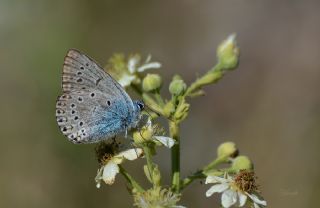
93	105
89	116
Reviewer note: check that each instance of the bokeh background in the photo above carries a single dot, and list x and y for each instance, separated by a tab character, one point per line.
269	106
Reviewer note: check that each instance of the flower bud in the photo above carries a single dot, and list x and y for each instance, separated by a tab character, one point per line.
151	82
156	176
168	109
177	86
228	53
227	149
242	163
143	135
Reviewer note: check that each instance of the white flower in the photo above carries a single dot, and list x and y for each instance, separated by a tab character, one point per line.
109	170
134	64
135	67
126	79
231	192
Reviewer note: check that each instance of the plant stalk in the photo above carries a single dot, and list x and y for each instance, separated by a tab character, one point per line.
175	156
130	180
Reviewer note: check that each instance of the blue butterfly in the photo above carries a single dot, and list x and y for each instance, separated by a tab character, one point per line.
93	106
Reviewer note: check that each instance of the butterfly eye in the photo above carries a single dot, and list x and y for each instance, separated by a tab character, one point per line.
141	105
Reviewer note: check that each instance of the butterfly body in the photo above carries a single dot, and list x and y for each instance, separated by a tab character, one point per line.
94	106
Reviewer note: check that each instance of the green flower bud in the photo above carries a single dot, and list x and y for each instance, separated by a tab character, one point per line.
147	173
182	110
151	82
168	109
156	176
143	135
242	163
228	53
227	149
177	87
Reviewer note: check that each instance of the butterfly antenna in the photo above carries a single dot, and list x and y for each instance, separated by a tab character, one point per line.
156	112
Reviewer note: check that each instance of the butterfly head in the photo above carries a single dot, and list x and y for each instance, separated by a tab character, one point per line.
139	105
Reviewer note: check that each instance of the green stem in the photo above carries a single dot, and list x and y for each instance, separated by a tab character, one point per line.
148	156
212	76
188	180
159	99
175	157
130	180
200	173
216	162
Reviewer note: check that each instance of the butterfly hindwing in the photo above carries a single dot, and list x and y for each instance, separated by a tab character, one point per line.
88	116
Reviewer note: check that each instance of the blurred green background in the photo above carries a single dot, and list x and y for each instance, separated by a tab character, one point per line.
269	106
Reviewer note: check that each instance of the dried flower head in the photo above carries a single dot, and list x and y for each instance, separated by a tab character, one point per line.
157	198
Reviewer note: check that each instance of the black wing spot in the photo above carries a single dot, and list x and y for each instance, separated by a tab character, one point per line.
108	103
61	104
80	99
92	94
79	73
81	123
73	112
79	80
59	111
98	80
76	118
81	67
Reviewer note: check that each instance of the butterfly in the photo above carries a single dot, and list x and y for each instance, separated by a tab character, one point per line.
93	107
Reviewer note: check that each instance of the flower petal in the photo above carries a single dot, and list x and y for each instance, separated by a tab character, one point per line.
126	80
228	198
110	171
152	65
132	64
166	141
98	178
255	199
242	199
216	179
256	205
131	154
218	188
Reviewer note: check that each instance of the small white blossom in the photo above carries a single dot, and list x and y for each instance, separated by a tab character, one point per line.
134	66
110	169
231	194
126	79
